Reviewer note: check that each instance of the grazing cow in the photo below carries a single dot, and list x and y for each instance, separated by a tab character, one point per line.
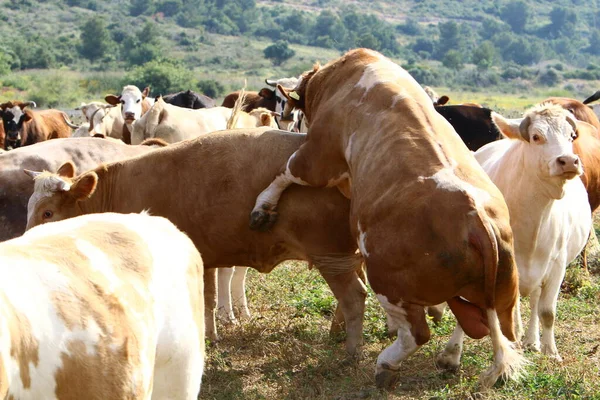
214	179
189	99
174	124
24	127
16	187
473	124
105	306
550	215
134	103
421	206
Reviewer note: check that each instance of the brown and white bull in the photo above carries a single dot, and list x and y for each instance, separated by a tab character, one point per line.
430	224
207	187
24	127
537	172
105	306
132	104
16	187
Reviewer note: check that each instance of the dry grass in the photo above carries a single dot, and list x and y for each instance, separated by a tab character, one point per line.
285	352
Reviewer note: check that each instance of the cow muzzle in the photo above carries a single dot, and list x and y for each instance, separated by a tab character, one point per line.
13	135
129	117
568	166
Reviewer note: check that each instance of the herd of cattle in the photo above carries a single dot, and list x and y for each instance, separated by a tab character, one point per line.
110	300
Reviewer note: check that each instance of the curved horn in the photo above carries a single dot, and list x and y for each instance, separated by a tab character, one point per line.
592	98
271	82
524	128
28	104
69	123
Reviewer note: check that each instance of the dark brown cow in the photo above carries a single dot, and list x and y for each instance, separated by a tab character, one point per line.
212	208
266	98
429	222
24	127
16	187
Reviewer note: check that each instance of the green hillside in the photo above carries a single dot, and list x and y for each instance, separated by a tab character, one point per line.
59	53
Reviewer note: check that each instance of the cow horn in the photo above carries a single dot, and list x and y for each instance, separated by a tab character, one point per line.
524	128
270	82
29	104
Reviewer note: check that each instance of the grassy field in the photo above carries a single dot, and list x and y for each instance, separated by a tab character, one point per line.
284	351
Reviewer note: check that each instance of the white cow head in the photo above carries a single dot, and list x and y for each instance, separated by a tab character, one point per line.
548	131
131	100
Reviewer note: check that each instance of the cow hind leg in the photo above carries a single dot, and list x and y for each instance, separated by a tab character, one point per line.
449	359
351	293
413	332
508	361
238	292
302	168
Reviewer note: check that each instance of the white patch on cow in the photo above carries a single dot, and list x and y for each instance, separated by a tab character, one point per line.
362	241
381	71
348	151
17	113
405	344
397	98
446	179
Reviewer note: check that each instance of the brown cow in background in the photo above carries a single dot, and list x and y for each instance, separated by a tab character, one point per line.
23	127
266	98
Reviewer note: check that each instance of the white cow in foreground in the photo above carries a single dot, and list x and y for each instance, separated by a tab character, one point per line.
101	306
535	169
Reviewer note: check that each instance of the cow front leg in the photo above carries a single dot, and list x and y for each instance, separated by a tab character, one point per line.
547	311
238	292
531	341
310	165
224	303
210	303
413	332
449	359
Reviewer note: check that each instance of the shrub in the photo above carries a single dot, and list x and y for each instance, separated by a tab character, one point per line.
163	76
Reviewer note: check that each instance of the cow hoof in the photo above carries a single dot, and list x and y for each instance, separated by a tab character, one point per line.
532	347
386	378
446	362
262	220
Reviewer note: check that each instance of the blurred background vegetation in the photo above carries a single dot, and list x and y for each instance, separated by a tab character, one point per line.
59	53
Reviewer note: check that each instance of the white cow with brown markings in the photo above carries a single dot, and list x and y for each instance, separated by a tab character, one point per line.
104	306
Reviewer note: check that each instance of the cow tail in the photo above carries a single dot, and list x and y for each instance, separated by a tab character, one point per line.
508	362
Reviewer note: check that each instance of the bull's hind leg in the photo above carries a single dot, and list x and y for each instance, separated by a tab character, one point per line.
413	332
238	292
310	165
224	303
210	303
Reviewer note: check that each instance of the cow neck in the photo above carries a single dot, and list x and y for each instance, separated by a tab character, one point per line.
527	194
107	193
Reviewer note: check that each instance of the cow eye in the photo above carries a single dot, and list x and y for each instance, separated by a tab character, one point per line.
536	138
47	214
122	101
138	100
574	135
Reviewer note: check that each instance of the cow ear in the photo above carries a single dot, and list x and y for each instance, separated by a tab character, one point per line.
510	128
284	92
586	129
112	99
66	170
27	116
442	100
146	91
84	186
266	93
